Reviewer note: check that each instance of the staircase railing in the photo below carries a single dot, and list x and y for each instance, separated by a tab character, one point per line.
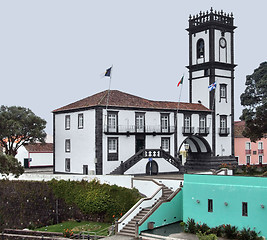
147	153
141	204
153	209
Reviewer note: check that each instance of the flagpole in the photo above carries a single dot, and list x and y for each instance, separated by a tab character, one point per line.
179	99
109	88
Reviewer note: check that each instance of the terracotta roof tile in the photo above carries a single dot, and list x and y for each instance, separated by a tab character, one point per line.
121	99
239	128
39	147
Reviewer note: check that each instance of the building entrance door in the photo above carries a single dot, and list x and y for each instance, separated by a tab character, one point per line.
140	142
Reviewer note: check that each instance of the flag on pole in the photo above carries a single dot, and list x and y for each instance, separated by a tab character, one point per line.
212	86
108	72
181	81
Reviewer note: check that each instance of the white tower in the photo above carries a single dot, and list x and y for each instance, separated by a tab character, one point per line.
211	59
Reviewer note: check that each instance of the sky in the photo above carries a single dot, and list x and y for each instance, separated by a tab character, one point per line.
52	52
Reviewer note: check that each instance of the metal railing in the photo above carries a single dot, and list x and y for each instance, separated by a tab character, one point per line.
138	129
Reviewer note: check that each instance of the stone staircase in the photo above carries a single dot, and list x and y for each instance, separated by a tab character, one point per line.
147	153
129	229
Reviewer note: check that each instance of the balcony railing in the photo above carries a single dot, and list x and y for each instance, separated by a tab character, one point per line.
248	151
260	151
203	130
133	129
224	131
187	130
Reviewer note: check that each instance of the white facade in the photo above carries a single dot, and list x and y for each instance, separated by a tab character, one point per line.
86	149
35	159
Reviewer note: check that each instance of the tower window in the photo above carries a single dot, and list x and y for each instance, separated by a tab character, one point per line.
223	93
200	48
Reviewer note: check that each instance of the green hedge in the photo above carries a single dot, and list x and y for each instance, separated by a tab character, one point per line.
34	204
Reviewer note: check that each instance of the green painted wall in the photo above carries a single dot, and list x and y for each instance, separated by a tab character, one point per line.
231	189
167	213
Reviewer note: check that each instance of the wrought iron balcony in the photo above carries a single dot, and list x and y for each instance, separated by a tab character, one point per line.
260	151
187	130
203	130
224	131
248	151
134	129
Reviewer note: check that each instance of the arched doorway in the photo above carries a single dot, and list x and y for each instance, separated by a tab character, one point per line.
152	168
194	148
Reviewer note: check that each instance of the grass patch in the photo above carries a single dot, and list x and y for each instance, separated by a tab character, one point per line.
77	227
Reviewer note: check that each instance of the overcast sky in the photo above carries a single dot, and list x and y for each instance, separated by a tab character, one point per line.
52	52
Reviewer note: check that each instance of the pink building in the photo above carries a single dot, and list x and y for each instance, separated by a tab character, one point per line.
248	152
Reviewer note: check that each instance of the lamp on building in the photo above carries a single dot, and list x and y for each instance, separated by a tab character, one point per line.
186	148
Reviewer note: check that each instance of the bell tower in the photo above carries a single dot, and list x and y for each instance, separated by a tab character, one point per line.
211	61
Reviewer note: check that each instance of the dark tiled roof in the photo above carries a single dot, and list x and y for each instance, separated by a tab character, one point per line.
39	147
121	99
239	128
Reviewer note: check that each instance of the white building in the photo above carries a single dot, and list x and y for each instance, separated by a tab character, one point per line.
135	135
36	155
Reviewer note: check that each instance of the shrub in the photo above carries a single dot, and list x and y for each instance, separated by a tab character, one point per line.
230	232
218	231
190	226
203	236
203	228
247	234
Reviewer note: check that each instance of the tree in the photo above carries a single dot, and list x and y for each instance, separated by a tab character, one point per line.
254	99
19	126
9	164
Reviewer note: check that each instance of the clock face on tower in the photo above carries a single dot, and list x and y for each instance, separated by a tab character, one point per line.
222	42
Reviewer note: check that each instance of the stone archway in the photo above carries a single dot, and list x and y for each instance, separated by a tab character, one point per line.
198	148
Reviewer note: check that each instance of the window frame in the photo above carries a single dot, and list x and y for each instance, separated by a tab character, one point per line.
112	121
113	154
210	205
199	53
223	130
202	129
167	139
140	122
67	122
80	123
164	122
187	123
223	86
260	158
67	146
248	159
67	164
244	209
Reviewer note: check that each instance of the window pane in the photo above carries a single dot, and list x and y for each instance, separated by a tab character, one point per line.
140	122
244	209
67	145
112	122
112	145
67	164
210	205
165	144
67	122
80	120
164	123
